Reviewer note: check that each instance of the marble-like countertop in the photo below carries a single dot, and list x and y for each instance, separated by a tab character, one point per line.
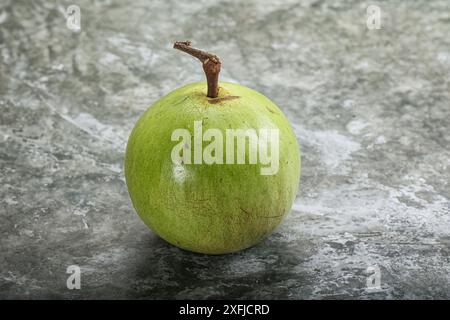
371	109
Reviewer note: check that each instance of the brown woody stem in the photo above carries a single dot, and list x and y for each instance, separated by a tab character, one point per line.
211	65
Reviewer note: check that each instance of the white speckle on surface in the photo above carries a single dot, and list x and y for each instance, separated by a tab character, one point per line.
116	168
82	214
380	140
28	233
348	104
362	65
404	140
95	128
3	16
10	201
356	126
443	57
238	268
334	147
6	56
58	67
125	45
108	58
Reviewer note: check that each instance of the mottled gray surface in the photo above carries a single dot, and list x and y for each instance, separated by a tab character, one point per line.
370	107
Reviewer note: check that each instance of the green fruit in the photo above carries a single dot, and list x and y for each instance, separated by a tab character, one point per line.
210	208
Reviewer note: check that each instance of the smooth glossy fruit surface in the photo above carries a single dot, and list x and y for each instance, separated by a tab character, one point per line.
210	208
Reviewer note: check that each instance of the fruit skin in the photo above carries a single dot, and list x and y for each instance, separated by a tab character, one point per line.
218	208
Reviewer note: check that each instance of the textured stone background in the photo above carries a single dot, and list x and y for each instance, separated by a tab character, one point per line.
370	107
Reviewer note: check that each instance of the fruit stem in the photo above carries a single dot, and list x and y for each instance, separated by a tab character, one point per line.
211	65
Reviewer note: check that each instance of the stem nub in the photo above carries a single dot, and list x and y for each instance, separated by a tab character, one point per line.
211	65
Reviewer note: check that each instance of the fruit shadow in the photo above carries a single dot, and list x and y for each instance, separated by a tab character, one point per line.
266	270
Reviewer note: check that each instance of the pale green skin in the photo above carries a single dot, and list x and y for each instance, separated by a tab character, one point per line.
218	208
